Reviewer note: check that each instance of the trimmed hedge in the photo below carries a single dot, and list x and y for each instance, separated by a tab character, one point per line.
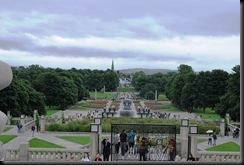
84	125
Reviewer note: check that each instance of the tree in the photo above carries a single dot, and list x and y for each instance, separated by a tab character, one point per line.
185	69
148	90
230	101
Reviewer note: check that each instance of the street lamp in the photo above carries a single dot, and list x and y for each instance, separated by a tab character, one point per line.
184	122
193	129
94	127
98	120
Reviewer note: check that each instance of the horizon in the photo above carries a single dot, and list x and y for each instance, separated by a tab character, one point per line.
135	34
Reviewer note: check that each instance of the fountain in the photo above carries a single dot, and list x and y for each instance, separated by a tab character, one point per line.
127	109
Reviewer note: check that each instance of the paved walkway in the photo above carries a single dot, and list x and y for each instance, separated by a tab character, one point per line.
52	137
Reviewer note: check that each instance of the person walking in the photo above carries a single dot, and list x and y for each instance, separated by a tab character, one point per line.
210	141
143	149
123	142
106	149
33	130
131	140
214	139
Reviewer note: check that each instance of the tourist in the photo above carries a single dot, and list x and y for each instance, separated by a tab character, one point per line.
123	142
178	157
190	158
33	130
106	149
131	140
214	139
86	157
143	148
171	147
210	141
19	126
98	158
117	142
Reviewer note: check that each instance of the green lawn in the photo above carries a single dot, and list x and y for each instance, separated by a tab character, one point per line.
101	95
125	89
38	143
162	97
77	139
52	108
6	138
50	112
7	128
208	116
85	106
226	147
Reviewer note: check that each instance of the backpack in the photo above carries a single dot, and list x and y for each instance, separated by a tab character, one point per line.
131	137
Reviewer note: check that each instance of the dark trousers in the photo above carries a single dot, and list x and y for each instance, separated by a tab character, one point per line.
143	155
105	157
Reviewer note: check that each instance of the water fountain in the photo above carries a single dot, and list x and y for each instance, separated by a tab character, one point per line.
127	109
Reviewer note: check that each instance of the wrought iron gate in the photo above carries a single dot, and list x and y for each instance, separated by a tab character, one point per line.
158	136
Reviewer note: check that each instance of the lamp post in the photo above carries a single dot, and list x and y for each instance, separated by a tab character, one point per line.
184	137
98	120
94	139
192	140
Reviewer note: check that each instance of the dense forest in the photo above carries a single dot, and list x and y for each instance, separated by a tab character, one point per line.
36	87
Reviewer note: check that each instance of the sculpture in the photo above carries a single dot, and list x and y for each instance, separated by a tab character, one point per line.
6	78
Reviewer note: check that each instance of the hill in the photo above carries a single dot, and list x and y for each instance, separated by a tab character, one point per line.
146	71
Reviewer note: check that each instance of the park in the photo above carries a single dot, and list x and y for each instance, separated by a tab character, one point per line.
66	134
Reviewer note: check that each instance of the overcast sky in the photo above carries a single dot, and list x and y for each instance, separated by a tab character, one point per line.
88	34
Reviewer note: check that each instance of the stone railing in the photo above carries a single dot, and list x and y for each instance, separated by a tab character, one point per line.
45	154
28	125
218	156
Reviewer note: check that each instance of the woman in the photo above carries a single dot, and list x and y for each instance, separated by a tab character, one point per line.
106	149
86	157
190	158
98	158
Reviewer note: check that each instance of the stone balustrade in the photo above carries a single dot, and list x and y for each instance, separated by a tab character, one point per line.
28	125
46	154
219	156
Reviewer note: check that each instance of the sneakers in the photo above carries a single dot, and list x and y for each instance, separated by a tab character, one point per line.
122	157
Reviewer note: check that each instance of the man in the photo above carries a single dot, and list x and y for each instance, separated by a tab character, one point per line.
131	140
214	139
143	148
123	142
106	149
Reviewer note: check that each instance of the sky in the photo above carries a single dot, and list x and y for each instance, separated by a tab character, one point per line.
89	34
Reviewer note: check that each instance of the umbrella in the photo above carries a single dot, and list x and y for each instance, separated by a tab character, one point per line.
209	131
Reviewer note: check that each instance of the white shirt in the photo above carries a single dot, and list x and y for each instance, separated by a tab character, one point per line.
86	159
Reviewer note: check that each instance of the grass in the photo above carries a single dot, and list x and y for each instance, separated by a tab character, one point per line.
101	95
88	105
162	97
162	106
208	116
125	89
226	147
7	128
77	139
50	112
38	143
6	138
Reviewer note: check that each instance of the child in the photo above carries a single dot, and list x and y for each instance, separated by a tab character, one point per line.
210	141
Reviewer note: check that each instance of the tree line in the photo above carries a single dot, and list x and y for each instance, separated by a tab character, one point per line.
188	90
35	87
